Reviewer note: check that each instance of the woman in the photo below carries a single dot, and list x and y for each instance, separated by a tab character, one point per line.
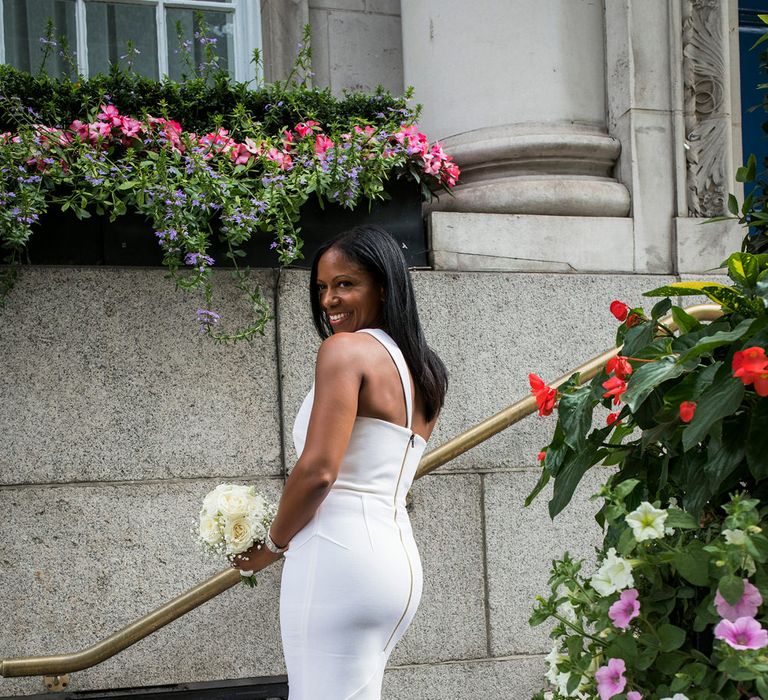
352	576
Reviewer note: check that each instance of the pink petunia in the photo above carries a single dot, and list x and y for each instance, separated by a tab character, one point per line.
625	609
750	601
634	695
744	633
240	154
610	679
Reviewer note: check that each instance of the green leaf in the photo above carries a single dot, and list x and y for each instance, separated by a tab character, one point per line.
626	543
720	400
647	378
680	519
727	297
683	320
733	205
743	268
693	565
661	308
575	411
622	647
757	441
573	469
717	340
670	637
757	547
731	588
540	484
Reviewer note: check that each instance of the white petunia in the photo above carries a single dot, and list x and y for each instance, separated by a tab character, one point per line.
737	537
615	574
647	522
677	696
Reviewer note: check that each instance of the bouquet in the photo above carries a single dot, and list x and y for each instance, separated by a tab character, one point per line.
233	518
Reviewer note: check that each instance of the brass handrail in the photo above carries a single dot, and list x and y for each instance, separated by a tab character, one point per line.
211	587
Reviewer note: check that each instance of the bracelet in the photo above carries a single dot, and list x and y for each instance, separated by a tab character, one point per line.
269	543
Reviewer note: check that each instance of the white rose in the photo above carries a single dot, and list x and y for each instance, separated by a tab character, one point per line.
211	500
209	529
233	503
615	574
647	522
238	535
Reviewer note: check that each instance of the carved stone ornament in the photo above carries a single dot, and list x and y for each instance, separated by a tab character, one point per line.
707	122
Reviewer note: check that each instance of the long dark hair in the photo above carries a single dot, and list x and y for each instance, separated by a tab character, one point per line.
378	252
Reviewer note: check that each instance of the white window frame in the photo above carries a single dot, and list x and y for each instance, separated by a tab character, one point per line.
246	36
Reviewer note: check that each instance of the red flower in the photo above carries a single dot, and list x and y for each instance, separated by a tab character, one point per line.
612	418
633	320
619	309
751	365
620	366
545	395
687	409
541	456
614	387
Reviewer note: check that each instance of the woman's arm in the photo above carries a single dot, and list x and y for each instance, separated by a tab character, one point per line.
338	378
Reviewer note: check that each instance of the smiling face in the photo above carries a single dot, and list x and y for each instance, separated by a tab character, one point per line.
348	294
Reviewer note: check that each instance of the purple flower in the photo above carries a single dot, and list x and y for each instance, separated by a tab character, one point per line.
747	606
198	259
610	679
744	633
626	608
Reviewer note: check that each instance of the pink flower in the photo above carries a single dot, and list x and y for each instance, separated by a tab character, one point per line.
610	679
240	154
130	126
744	633
626	608
282	159
368	131
634	695
252	147
109	114
322	144
750	601
305	128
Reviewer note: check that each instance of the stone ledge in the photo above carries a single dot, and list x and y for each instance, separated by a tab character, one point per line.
702	247
530	243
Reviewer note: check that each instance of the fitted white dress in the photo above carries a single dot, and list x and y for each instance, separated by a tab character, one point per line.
352	576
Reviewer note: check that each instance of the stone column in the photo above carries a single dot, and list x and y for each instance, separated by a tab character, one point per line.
516	93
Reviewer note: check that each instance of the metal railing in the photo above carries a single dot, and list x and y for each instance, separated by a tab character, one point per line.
56	666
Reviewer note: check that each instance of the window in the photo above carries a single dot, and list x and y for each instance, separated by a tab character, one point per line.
97	33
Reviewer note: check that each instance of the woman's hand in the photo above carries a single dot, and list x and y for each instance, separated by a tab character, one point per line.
255	559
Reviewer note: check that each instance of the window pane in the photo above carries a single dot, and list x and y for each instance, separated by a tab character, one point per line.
187	52
25	25
110	27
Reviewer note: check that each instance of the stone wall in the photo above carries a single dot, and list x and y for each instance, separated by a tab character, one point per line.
357	44
117	417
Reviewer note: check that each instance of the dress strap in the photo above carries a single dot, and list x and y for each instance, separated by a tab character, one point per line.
402	367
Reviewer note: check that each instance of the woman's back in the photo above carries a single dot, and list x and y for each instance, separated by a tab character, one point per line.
352	578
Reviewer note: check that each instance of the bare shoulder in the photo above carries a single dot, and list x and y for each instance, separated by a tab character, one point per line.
344	351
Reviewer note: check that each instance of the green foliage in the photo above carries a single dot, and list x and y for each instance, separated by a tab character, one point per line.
202	160
684	507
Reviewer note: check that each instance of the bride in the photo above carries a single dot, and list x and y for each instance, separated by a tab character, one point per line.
352	577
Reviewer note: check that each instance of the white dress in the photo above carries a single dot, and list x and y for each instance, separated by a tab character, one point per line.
352	576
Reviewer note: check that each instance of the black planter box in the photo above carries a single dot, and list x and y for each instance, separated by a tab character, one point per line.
62	239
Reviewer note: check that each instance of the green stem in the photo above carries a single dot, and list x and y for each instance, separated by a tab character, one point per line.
578	629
